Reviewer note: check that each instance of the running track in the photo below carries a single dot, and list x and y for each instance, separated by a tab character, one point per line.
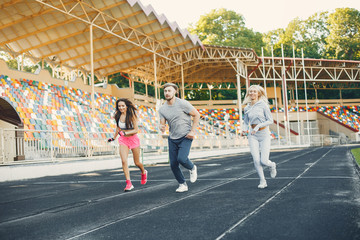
315	196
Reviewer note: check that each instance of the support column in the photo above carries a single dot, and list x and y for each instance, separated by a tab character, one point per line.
92	68
238	88
284	88
182	83
306	102
155	78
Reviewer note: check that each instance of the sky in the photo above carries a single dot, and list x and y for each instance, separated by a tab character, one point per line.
260	15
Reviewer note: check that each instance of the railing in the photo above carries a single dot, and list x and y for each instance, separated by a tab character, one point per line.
52	145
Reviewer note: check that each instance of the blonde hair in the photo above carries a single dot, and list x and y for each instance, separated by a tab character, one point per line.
260	90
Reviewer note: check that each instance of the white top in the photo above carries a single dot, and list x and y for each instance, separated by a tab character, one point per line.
122	125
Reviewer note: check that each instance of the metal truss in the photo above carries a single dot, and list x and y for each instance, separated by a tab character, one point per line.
211	59
92	16
307	73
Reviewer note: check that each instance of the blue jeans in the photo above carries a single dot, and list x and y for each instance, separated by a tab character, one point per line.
179	150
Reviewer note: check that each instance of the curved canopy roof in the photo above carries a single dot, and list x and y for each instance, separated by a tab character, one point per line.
8	113
126	33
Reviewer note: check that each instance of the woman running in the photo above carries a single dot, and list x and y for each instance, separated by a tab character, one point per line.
127	128
257	118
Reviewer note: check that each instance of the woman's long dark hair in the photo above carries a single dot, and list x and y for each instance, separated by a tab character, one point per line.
130	113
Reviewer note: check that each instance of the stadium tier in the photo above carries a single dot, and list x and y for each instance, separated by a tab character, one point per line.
346	115
43	106
66	110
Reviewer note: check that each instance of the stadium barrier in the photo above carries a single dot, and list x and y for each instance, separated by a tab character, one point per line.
43	145
48	145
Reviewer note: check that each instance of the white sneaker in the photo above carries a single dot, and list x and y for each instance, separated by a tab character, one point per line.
193	174
182	188
262	184
273	170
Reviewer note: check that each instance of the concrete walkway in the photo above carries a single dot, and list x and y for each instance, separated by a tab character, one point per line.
40	168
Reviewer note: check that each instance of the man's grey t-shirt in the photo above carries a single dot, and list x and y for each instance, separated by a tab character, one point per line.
177	116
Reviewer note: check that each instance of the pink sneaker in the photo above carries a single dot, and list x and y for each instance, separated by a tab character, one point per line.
144	177
129	186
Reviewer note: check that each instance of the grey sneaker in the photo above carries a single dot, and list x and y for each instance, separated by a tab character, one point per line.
273	170
193	174
182	188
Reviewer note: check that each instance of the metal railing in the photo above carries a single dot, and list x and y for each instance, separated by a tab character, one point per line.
41	145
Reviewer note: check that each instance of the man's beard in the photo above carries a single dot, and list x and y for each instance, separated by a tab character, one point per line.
169	98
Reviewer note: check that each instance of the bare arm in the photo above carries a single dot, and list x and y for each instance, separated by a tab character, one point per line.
196	117
162	125
116	132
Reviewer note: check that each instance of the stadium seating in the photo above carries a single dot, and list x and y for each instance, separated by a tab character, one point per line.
44	106
346	115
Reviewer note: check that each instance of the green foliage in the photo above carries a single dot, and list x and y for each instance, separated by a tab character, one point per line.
226	28
308	35
344	37
200	94
119	80
323	35
356	153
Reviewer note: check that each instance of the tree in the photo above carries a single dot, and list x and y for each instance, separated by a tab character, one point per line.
309	35
344	38
226	28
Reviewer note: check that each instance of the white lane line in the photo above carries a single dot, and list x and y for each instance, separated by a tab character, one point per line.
158	207
270	199
169	203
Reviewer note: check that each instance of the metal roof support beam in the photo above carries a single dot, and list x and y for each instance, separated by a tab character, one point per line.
141	39
92	69
238	88
155	78
182	83
285	99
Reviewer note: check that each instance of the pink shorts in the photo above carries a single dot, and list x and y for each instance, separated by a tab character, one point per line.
131	142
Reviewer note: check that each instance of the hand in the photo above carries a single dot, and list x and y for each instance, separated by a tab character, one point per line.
162	127
254	131
111	139
190	135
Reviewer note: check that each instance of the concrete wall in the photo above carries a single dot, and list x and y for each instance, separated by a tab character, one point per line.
325	125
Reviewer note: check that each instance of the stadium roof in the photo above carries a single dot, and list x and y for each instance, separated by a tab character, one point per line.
125	33
132	38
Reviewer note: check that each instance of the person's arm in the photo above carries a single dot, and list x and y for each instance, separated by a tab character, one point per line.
245	127
115	135
196	117
133	131
162	125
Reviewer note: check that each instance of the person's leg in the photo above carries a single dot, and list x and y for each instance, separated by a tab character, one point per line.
264	143
124	153
136	155
183	153
255	152
265	152
174	164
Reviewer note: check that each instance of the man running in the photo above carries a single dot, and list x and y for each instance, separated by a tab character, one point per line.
177	113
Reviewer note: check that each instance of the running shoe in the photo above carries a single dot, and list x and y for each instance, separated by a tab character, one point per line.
273	170
262	184
144	177
193	174
182	187
129	186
